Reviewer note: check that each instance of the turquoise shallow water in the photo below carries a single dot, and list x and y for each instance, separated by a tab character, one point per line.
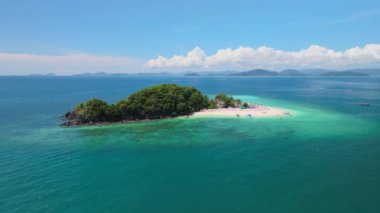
324	158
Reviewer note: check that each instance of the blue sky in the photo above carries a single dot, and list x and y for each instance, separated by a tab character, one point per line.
142	30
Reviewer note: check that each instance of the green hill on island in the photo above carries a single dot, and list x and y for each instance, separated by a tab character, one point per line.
156	102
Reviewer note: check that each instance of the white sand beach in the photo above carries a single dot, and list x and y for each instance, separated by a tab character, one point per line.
259	111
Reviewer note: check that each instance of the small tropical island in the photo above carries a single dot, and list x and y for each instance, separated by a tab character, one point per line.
161	102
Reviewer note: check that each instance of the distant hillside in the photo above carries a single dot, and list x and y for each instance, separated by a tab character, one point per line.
105	74
309	72
315	71
42	75
352	72
96	74
291	72
372	71
256	72
344	73
192	74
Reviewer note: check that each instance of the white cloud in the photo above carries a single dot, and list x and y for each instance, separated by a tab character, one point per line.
20	64
244	58
193	58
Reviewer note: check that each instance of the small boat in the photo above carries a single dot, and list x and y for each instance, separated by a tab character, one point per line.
249	115
237	115
365	104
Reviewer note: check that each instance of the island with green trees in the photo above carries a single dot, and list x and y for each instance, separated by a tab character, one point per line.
156	102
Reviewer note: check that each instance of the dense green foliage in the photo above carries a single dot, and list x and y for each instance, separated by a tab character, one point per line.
225	101
161	101
93	110
212	104
165	100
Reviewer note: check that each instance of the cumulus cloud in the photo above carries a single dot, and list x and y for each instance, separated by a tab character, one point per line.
193	58
244	58
19	64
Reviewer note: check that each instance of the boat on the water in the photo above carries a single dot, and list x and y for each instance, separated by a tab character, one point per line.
364	104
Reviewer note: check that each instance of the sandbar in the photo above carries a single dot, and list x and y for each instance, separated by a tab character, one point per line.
259	111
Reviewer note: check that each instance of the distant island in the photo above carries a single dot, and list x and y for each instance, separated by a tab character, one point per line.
293	72
249	73
257	72
344	73
192	74
156	102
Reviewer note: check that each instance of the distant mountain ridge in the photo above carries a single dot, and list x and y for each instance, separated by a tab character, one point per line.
309	72
192	74
255	72
344	73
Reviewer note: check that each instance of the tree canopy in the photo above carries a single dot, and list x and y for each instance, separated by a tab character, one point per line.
224	101
166	100
161	101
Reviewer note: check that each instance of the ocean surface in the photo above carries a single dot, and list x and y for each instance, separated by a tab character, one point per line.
323	158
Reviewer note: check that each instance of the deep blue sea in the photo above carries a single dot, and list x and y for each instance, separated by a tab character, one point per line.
324	158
